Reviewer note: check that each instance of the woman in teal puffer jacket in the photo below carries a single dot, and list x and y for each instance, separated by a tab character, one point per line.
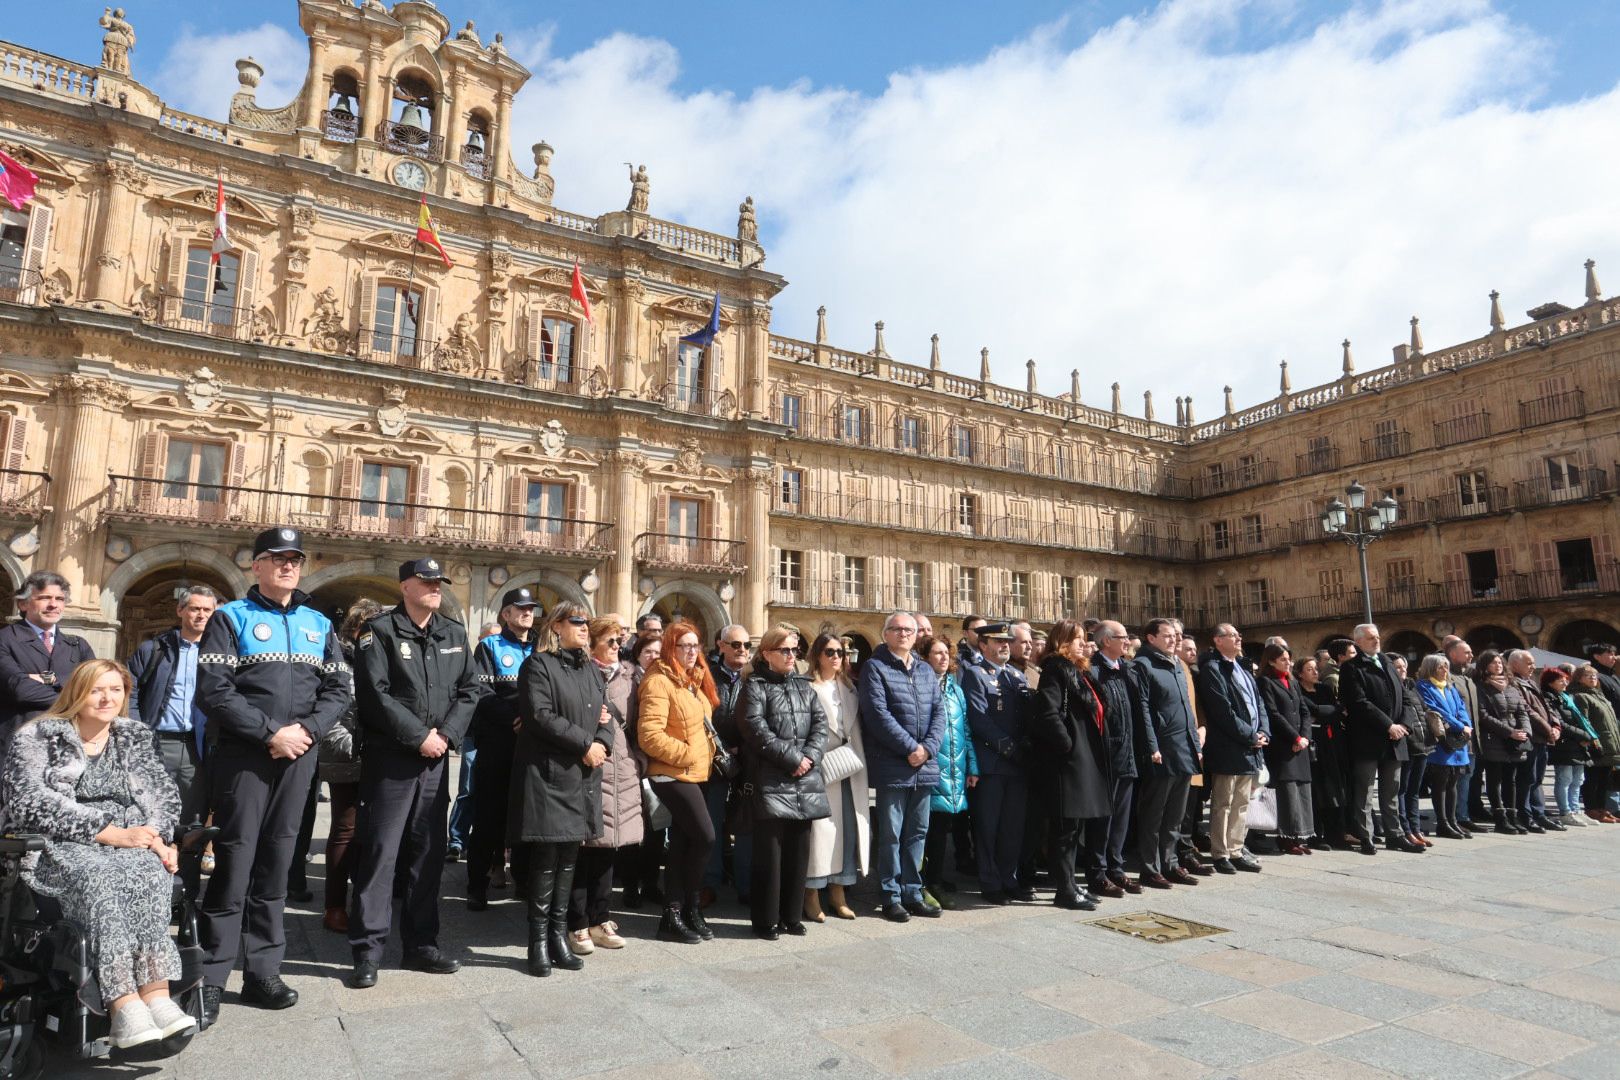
958	769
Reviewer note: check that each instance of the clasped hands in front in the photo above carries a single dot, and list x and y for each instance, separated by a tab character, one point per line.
141	836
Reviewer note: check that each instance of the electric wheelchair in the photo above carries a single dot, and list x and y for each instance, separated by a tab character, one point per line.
49	997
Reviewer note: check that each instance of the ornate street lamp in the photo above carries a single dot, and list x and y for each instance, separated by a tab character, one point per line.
1358	525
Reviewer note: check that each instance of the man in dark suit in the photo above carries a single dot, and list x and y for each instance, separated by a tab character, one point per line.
1374	699
1239	730
36	657
1168	755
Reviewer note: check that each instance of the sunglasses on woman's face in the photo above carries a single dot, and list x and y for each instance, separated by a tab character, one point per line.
576	620
837	654
789	652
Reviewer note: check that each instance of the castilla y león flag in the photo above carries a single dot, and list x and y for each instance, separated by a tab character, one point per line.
578	293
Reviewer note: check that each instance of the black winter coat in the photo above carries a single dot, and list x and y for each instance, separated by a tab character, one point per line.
1117	690
1066	720
555	797
1418	740
1374	699
410	680
1164	719
1291	720
1502	712
781	722
1230	729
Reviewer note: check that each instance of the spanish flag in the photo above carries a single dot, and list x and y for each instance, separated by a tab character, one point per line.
427	234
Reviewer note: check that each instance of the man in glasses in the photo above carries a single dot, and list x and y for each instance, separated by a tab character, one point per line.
271	682
732	651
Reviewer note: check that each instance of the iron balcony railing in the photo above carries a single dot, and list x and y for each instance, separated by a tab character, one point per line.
1462	429
23	491
675	551
1386	445
476	162
19	284
340	126
1569	405
1580	484
1320	460
143	498
400	138
221	320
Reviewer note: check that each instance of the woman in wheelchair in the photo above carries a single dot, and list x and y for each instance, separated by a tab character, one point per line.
87	778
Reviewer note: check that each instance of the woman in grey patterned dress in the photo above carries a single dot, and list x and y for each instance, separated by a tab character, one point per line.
88	779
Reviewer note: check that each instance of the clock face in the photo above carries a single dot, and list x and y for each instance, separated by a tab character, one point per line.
410	174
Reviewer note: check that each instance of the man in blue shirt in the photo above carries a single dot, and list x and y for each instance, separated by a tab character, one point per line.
165	672
1239	729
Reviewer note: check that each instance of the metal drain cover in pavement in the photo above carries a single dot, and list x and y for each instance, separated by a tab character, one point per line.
1158	929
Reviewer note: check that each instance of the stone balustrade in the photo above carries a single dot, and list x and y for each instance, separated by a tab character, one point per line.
46	74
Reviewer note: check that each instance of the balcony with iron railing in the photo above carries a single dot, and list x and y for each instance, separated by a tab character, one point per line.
1584	483
340	125
1478	502
676	551
1569	405
1462	429
475	161
19	284
1320	460
219	320
1386	445
409	139
22	493
697	401
1237	477
406	350
249	509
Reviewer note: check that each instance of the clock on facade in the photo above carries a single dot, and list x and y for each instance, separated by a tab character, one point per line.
1531	623
410	174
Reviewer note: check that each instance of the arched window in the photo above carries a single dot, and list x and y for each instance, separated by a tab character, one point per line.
475	153
409	129
341	122
317	479
457	495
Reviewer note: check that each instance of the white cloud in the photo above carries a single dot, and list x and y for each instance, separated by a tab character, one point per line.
198	74
1161	204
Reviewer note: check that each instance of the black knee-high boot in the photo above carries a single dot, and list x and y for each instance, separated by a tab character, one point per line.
561	955
541	883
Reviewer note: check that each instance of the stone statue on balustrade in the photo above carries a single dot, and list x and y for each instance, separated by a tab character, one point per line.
747	224
469	33
117	42
639	190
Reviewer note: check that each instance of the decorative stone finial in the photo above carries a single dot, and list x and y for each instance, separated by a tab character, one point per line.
1190	420
1497	321
542	159
1417	337
1147	404
1285	385
821	325
1594	293
1116	397
747	224
117	42
1029	373
1074	386
640	191
1181	412
934	362
877	343
248	72
1228	392
1349	365
984	364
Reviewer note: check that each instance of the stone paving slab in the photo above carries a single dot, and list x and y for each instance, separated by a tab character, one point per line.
1496	957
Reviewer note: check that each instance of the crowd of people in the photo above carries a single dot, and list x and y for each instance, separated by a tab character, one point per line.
597	758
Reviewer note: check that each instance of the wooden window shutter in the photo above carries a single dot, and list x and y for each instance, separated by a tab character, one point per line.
154	455
517	490
1602	549
236	477
348	506
660	521
247	275
368	315
1546	556
426	328
420	514
1456	566
39	239
16	455
576	534
174	290
536	335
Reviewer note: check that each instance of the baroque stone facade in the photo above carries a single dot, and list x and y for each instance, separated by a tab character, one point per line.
155	411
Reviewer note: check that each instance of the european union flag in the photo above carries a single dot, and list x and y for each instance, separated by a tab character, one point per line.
705	337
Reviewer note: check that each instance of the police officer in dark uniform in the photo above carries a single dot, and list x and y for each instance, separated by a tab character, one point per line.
416	687
997	705
500	657
271	680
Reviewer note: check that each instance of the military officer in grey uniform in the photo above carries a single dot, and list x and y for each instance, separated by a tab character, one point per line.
416	687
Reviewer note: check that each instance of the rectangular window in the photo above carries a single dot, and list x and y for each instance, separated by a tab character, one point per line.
1020	590
1248	470
1215	476
384	490
1259	594
685	519
792	490
1484	577
855	424
854	581
967	588
691	375
1330	583
1400	580
1472	495
556	357
1253	530
962	441
1564	476
914	507
911	585
1110	598
1220	535
13	250
545	507
1178	601
1577	565
792	411
1150	600
1063	460
393	326
1018	517
194	471
790	572
911	434
210	298
1066	597
1017	457
967	511
1223	601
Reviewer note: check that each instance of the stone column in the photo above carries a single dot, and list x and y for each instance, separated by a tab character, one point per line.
627	335
755	334
376	95
753	593
499	146
113	239
618	592
319	87
87	409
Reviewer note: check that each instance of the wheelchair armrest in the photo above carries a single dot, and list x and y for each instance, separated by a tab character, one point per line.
21	844
197	837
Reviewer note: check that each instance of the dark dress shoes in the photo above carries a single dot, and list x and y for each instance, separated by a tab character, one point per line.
1155	881
1108	888
477	900
1246	864
1367	848
1401	843
211	997
797	929
269	993
1224	866
769	933
922	909
1024	895
1180	876
300	894
896	913
999	899
1118	877
1194	866
1076	903
430	961
364	976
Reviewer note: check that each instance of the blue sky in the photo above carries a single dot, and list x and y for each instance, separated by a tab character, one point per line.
1175	196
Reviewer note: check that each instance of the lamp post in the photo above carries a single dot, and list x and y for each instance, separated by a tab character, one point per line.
1358	525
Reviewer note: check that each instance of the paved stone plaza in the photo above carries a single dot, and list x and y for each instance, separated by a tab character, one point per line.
1491	958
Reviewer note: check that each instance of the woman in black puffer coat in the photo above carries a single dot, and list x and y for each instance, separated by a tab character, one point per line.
1068	724
1504	740
784	731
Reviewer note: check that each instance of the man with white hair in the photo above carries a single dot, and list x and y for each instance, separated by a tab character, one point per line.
1545	731
1374	698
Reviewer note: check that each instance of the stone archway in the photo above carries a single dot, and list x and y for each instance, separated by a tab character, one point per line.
1573	637
12	571
334	589
1489	636
689	599
147	606
183	555
1410	644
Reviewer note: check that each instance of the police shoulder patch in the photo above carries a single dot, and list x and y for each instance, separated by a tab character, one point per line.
366	639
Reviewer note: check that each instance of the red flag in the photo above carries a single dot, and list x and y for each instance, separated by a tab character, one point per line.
427	233
16	182
578	292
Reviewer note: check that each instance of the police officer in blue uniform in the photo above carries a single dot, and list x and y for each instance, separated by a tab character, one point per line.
271	681
997	702
500	657
416	686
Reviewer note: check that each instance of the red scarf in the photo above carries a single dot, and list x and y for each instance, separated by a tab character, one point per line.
1096	699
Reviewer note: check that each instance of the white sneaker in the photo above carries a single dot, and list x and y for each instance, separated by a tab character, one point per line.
1573	819
133	1025
580	942
1585	819
170	1018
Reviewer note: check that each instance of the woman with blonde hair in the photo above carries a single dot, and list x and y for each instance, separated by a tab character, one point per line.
676	731
839	843
87	778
